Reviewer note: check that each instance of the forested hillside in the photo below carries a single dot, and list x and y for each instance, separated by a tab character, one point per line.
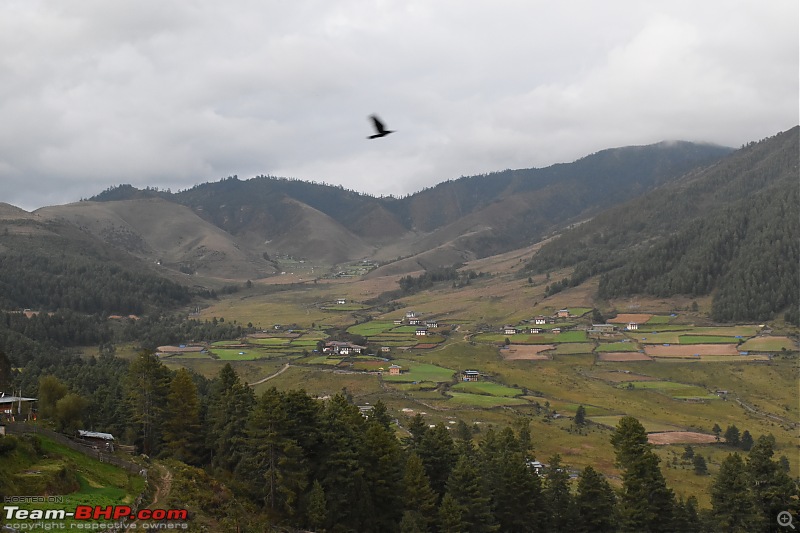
729	231
486	214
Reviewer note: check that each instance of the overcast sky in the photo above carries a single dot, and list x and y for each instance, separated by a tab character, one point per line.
95	93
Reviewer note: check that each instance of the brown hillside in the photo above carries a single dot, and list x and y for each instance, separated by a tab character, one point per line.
155	229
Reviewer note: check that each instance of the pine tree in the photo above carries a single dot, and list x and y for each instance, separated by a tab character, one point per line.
773	490
699	463
438	454
732	503
467	490
732	436
146	391
746	442
595	503
580	416
182	419
558	497
228	412
381	460
418	497
646	503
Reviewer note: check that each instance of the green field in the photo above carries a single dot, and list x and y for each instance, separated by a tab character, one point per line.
707	339
420	372
769	344
371	328
650	426
482	400
485	387
617	347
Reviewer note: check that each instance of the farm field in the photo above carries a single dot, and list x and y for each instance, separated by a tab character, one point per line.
485	387
557	372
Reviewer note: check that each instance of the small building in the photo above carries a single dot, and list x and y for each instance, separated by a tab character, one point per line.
341	301
14	408
536	466
421	332
366	410
563	313
603	328
555	331
395	370
540	320
509	330
470	375
536	330
386	349
411	314
95	436
633	326
398	321
415	321
432	323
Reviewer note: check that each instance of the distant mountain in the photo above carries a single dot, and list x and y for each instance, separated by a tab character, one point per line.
456	220
729	230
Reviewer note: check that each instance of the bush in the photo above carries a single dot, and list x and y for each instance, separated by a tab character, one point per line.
8	444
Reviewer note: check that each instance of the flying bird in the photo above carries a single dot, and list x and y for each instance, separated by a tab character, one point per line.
379	127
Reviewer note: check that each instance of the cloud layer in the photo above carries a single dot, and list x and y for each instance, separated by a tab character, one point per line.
170	94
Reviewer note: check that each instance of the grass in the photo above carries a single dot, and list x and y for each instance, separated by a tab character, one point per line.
617	347
707	339
485	387
100	484
371	328
482	400
768	344
571	348
420	372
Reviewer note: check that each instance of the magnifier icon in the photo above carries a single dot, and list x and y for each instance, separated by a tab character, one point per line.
785	519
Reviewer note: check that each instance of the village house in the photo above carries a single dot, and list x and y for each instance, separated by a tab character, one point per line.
632	326
398	321
603	328
395	370
555	331
563	313
421	332
342	348
414	321
341	301
432	323
509	330
470	375
386	349
536	330
96	439
16	408
411	314
540	320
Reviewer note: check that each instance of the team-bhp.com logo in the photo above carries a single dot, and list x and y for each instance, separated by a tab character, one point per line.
119	514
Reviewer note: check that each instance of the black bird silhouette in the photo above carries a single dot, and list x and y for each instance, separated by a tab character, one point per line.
379	127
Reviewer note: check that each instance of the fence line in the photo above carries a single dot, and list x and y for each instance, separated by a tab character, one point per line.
88	450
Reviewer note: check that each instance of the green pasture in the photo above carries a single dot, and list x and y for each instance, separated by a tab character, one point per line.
658	320
271	341
371	328
237	354
420	372
768	344
485	387
484	401
707	339
617	347
572	348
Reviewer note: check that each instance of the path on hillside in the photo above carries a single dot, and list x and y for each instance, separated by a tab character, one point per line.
276	374
163	486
